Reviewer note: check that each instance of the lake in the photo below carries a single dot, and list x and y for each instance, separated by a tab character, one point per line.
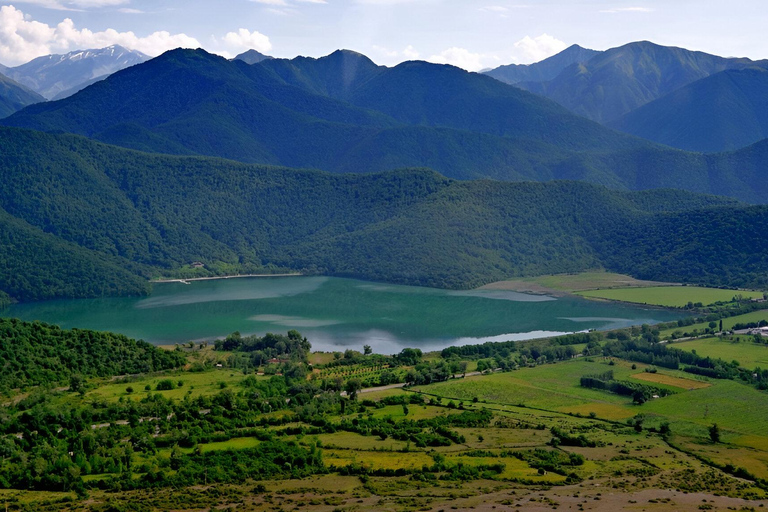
336	314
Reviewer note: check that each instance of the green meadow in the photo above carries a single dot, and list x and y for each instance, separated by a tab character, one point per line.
741	348
669	296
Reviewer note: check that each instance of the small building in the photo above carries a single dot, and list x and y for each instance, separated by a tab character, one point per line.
196	264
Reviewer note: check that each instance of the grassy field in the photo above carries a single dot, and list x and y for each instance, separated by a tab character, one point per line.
570	283
745	351
728	323
669	296
193	384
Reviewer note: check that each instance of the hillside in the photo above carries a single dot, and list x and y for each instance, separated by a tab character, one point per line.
124	215
545	70
35	354
622	79
14	96
54	75
723	112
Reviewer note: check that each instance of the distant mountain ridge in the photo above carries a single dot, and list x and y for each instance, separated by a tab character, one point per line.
619	80
544	70
52	75
722	112
14	96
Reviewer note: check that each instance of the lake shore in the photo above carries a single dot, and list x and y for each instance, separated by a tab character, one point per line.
214	278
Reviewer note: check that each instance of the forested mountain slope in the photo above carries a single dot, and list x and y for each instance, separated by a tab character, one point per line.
723	112
342	113
105	218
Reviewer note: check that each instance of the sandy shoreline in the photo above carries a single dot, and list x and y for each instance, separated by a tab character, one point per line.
239	276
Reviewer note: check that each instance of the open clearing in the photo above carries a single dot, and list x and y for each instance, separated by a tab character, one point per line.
670	296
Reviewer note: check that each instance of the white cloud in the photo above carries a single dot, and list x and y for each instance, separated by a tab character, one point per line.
244	39
270	2
392	57
384	51
410	53
23	39
73	5
533	49
626	9
460	57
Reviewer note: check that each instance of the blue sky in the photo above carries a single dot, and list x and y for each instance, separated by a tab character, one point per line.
468	33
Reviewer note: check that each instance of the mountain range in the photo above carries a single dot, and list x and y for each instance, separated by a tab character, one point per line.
342	167
343	113
622	79
59	76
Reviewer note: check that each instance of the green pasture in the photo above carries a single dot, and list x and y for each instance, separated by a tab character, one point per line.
193	384
733	406
589	281
669	296
742	349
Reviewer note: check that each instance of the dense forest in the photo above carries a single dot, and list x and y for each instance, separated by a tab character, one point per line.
37	354
97	220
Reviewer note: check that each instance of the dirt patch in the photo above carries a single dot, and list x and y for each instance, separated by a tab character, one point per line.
677	382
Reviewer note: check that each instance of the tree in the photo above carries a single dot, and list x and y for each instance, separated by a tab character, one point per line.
367	350
639	397
352	387
714	433
76	383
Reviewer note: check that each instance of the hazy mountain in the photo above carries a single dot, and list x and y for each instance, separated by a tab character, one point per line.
287	112
14	96
101	217
79	87
252	57
343	113
51	75
622	79
544	70
722	112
